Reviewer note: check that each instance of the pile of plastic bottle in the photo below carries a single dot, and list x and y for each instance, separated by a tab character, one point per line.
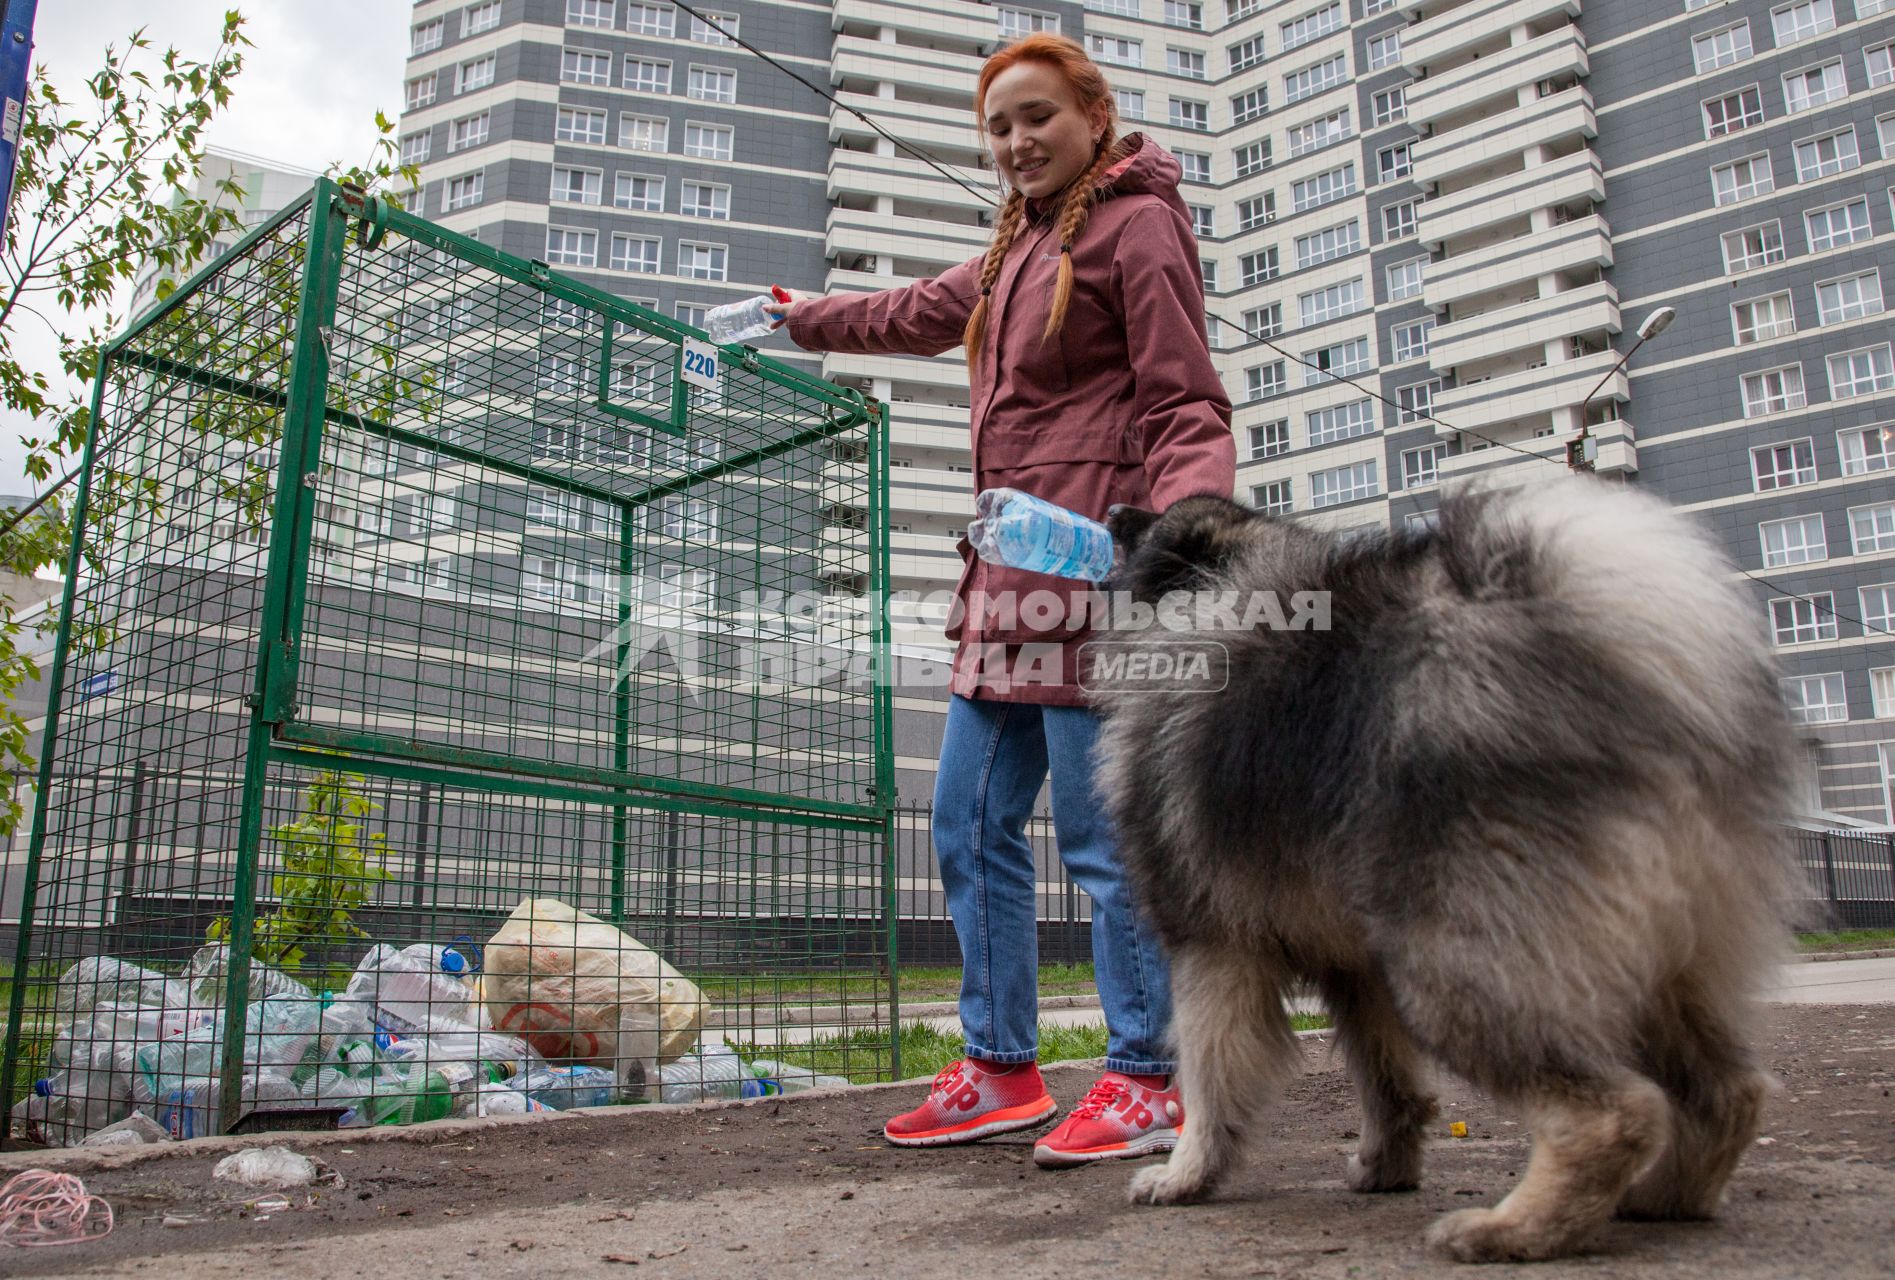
406	1040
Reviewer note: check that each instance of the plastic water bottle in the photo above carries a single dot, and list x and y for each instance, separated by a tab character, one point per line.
742	321
284	1032
406	1093
168	1064
108	980
1024	532
421	987
714	1071
71	1104
188	1110
209	965
790	1078
563	1088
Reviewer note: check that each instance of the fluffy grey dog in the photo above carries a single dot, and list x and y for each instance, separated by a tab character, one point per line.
1512	812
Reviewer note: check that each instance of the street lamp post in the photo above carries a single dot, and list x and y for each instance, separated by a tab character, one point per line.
1582	451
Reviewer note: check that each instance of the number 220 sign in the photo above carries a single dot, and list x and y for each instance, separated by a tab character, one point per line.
700	364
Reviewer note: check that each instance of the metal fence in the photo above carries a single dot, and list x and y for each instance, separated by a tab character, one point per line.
1850	879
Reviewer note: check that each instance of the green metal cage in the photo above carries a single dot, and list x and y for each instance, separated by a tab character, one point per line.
468	568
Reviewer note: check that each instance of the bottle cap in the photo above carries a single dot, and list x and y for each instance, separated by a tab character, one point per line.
43	1088
453	962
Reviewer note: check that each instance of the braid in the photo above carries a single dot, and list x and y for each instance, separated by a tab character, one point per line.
1012	215
1073	214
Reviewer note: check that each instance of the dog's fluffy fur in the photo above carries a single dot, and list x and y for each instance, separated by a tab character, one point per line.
1514	813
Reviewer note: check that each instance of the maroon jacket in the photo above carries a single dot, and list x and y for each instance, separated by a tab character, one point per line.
1121	406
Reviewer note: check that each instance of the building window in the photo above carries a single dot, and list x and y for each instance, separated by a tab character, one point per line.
1830	154
1181	13
1837	225
1015	23
1866	449
1861	373
1733	112
1411	340
1246	55
1323	188
1720	48
1877	609
1422	466
638	191
1372	7
1415	402
1208	269
709	141
702	261
1327	245
471	132
1322	305
1258	267
1773	391
570	247
1186	114
1124	8
635	253
1312	80
1799	620
421	91
1256	212
1269	440
1815	699
582	66
1879	63
589	13
1393	162
1252	158
1116	51
1797	540
1305	138
1264	380
1869	8
576	125
1343	484
644	133
1742	179
1342	360
1813	86
1882	692
647	75
464	191
712	84
1203	220
1312	26
1272	498
1761	319
1849	298
1196	165
478	74
1753	247
1340	422
1872	529
650	19
1800	21
416	146
723	33
705	200
1385	50
1400	220
1185	62
577	186
1780	466
1391	105
476	18
426	36
1404	279
1264	322
1131	103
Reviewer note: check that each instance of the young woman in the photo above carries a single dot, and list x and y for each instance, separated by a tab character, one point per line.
1092	385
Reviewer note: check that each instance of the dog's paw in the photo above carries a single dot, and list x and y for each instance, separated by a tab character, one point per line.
1486	1235
1386	1172
1665	1202
1165	1184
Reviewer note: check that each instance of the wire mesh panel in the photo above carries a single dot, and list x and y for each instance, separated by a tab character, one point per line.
420	594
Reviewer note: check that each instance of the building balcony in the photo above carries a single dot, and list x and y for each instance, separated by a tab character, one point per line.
932	129
1618	454
1547	120
1527	326
905	178
959	19
859	58
1511	197
849	232
1500	405
1506	264
1523	66
1444	33
919	490
930	558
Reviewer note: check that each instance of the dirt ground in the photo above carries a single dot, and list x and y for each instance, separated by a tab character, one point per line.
805	1187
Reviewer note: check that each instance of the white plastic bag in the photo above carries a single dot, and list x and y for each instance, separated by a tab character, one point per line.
579	990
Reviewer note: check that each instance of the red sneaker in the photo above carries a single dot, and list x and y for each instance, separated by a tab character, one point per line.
1117	1118
971	1101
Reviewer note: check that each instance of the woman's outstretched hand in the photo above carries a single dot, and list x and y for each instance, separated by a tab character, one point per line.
786	300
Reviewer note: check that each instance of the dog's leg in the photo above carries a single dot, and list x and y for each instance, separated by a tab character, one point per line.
1235	1048
1588	1144
1717	1094
1386	1065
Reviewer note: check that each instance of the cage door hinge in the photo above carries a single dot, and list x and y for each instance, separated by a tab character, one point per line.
279	684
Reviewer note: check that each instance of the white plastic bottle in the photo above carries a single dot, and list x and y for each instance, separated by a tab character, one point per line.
563	1088
1024	532
108	980
209	968
742	321
188	1109
713	1071
283	1032
422	987
795	1079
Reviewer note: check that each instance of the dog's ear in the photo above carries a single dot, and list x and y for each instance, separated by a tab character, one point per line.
1129	524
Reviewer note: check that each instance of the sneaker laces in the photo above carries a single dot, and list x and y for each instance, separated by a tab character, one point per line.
947	1075
1101	1096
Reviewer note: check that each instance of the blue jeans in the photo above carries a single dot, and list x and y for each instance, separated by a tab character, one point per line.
994	757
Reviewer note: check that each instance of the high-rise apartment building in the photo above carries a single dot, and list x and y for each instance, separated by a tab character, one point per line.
1446	217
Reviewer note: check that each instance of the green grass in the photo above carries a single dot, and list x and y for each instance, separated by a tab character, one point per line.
1846	940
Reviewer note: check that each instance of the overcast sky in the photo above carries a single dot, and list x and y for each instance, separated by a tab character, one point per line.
307	95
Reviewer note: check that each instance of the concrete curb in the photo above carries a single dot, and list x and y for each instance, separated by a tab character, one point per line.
1873	953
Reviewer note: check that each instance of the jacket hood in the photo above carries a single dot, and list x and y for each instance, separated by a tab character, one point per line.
1143	168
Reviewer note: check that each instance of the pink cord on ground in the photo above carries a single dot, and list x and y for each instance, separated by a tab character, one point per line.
40	1207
